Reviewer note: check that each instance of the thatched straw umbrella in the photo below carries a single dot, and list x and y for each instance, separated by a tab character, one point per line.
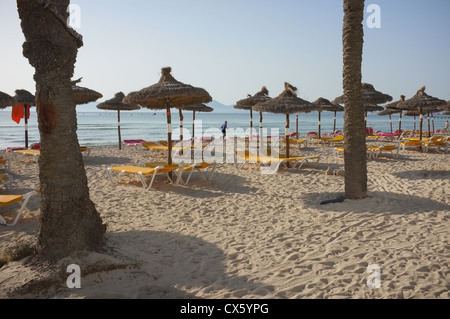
196	108
25	99
322	104
6	100
116	104
370	98
249	102
393	107
165	94
421	101
286	103
84	95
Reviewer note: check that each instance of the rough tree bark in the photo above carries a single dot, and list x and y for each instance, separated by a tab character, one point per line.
354	125
69	219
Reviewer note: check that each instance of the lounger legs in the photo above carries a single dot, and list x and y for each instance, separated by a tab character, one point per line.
23	207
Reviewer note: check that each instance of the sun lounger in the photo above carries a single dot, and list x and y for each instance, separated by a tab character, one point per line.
274	162
436	142
340	150
411	143
36	152
134	143
26	152
22	200
377	150
142	172
197	167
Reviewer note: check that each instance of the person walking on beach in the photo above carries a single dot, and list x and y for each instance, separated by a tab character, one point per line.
446	126
224	129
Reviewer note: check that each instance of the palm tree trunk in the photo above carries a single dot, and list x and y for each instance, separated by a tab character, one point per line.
69	219
354	126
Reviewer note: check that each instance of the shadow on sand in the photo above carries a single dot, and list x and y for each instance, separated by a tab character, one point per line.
376	202
139	265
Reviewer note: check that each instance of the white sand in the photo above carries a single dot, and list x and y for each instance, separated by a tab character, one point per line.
247	235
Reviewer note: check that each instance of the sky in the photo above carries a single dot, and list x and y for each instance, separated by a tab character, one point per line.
232	48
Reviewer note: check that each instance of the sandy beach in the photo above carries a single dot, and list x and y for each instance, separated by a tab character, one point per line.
248	235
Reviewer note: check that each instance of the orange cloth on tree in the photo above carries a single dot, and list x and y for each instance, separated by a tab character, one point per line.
18	112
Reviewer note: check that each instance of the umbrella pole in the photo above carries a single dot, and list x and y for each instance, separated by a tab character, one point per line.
421	124
429	127
334	127
296	124
118	129
180	112
169	135
26	125
365	119
320	118
193	128
400	124
287	138
432	120
251	122
390	121
260	130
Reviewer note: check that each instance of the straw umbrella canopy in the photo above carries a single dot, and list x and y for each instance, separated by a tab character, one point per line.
250	101
26	99
286	103
370	97
84	95
322	104
6	100
167	93
421	101
196	108
116	104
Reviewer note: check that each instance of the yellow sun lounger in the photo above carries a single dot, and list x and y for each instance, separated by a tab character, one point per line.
199	167
22	200
438	143
34	153
37	153
142	172
280	160
376	151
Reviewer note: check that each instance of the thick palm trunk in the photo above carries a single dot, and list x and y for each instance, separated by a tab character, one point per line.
69	220
354	126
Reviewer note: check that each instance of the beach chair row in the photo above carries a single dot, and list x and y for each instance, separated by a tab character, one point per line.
151	170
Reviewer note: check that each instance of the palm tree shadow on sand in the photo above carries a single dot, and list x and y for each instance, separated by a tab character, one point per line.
139	265
179	267
376	202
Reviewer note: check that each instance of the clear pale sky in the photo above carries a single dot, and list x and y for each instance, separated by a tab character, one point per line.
232	48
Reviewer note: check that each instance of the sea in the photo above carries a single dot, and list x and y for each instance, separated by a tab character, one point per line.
100	128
